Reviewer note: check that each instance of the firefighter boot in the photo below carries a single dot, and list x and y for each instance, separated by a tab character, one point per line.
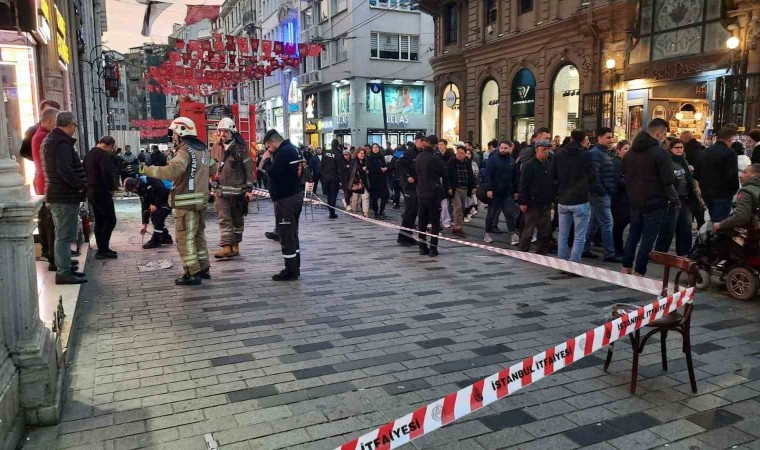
225	252
235	249
188	280
154	242
166	238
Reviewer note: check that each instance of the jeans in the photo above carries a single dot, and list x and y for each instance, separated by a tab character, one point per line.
502	204
445	216
66	219
601	217
677	221
645	225
719	208
577	216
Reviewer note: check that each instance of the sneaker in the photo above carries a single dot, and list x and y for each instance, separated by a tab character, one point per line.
467	219
284	275
588	254
515	239
272	236
187	280
447	225
487	238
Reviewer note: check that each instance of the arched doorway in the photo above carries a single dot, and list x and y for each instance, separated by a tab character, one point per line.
489	112
450	113
565	101
523	105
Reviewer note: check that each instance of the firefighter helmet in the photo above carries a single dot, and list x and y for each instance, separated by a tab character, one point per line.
183	126
226	124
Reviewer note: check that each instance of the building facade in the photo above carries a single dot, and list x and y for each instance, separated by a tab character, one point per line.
369	48
141	103
118	107
504	68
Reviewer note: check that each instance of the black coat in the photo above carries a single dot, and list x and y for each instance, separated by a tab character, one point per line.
574	173
694	151
756	154
66	181
431	175
344	171
152	191
620	200
357	169
406	168
157	158
102	177
501	174
453	177
283	176
648	173
330	165
378	180
537	189
718	172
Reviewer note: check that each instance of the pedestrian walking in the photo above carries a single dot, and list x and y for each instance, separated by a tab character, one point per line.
189	172
285	191
45	224
154	199
234	188
648	173
330	171
461	182
407	171
501	179
536	194
574	172
65	189
431	186
102	182
344	174
378	181
358	182
717	175
621	207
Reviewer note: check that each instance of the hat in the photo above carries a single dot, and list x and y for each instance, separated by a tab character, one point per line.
542	144
432	140
419	135
269	135
346	152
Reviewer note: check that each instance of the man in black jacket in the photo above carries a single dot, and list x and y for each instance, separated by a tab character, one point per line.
331	166
600	198
408	179
718	175
285	191
693	150
431	185
157	157
574	173
154	199
648	173
537	192
65	188
102	181
461	183
621	207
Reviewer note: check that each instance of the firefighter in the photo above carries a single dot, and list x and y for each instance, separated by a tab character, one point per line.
189	172
154	197
235	186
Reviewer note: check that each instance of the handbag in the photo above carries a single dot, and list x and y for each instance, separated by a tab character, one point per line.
482	193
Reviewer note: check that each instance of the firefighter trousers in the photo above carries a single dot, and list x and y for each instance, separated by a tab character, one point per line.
231	219
286	213
191	240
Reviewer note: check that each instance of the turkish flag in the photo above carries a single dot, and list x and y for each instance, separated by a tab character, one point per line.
179	44
216	38
230	47
266	48
196	13
278	48
242	44
315	49
254	45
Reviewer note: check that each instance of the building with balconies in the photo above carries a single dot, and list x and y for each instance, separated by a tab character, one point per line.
118	107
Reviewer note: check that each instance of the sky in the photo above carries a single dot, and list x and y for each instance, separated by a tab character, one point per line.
125	18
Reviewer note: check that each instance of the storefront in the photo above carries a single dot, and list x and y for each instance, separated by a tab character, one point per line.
450	113
565	101
489	111
404	109
325	128
523	105
295	118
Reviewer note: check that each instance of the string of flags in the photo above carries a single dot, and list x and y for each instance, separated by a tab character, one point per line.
201	67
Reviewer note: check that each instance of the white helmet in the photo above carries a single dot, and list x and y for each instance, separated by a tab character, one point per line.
183	126
226	124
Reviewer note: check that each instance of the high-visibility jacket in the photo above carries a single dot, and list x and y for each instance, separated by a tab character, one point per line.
189	172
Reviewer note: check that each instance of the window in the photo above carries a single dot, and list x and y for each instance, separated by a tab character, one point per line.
339	50
337	6
307	20
450	24
322	10
394	46
324	58
526	6
491	11
401	5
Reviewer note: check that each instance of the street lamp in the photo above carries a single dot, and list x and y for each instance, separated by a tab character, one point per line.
733	43
610	63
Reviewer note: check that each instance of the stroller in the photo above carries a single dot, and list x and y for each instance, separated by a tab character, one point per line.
733	257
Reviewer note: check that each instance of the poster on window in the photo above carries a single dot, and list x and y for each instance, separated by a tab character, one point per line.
398	100
344	99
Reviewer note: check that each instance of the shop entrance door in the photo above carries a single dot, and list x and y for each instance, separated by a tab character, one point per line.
522	129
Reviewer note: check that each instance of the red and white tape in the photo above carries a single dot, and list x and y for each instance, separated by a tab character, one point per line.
508	381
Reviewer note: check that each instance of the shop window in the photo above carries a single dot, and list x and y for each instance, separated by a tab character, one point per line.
669	29
450	24
525	6
565	101
491	12
394	46
450	113
489	111
400	5
523	105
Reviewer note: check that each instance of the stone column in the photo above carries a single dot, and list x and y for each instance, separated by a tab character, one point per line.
30	344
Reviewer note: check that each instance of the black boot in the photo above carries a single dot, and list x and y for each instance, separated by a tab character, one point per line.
154	242
187	280
205	273
284	275
424	250
166	238
272	236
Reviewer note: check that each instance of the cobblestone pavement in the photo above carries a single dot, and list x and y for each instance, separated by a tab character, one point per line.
369	333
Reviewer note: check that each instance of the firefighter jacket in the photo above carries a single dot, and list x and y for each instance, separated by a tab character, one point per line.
235	168
189	172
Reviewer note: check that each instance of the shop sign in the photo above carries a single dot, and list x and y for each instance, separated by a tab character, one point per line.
342	122
524	94
397	120
43	21
685	68
63	48
451	99
327	125
696	90
310	127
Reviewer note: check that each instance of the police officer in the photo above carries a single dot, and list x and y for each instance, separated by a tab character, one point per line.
154	198
431	186
287	195
408	179
235	185
189	172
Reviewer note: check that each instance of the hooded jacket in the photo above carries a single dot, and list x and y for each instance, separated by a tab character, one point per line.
717	172
574	173
65	177
648	173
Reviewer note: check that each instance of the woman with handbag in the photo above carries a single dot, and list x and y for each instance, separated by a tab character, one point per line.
358	181
378	179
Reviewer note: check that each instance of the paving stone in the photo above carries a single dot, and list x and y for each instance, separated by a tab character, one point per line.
593	434
677	430
717	418
248	394
509	419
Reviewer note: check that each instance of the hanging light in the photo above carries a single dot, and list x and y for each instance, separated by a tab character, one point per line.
733	43
610	63
698	115
679	116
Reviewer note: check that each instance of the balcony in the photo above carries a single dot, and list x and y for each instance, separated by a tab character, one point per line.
310	78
